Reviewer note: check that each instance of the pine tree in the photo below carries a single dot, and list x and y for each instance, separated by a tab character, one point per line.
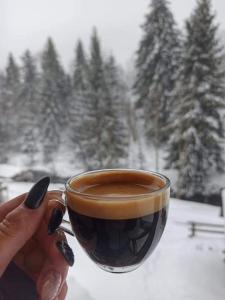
158	59
64	85
10	95
52	102
119	133
12	75
83	113
108	96
3	122
101	101
29	105
195	146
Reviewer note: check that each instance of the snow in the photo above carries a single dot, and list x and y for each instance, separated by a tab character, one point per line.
7	170
181	268
61	166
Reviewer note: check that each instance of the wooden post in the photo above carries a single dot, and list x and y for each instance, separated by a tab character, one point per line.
192	229
223	204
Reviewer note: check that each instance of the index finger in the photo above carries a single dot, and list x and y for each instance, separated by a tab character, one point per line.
55	201
55	262
8	206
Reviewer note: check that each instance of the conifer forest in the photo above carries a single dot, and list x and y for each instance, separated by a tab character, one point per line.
168	108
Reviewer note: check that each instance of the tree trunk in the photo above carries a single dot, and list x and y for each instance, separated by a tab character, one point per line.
132	121
157	142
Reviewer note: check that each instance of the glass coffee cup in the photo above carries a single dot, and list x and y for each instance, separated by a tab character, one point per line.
118	215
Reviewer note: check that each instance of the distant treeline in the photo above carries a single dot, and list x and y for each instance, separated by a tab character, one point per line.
42	107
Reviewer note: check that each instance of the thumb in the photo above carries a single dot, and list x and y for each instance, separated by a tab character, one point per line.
20	224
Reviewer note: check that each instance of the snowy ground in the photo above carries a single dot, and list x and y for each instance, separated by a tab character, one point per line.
181	268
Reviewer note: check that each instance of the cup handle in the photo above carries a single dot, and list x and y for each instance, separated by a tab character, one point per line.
65	224
64	228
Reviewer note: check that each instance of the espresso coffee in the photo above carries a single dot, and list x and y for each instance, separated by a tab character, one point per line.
118	216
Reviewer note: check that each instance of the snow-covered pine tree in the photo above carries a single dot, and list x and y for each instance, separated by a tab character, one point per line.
119	132
51	101
28	107
107	91
64	85
198	130
3	122
83	120
100	98
10	95
157	64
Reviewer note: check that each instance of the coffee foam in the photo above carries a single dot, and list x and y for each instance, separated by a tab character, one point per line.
102	194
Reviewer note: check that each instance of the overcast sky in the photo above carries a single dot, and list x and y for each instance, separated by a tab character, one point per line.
27	24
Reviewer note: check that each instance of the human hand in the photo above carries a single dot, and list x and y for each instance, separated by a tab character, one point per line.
28	237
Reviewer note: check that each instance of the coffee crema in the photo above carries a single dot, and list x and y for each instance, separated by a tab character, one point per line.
117	194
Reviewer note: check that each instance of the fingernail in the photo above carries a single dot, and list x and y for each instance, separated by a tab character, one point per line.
66	252
37	193
55	220
51	284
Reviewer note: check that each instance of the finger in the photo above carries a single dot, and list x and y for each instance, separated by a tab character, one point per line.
62	294
20	224
52	196
55	219
32	256
54	201
54	271
8	206
56	196
55	210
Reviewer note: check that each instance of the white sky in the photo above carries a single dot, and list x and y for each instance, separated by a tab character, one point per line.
27	24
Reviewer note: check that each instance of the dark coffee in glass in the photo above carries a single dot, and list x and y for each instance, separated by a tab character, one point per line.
118	216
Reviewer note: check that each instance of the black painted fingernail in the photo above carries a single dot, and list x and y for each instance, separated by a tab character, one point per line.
37	193
66	252
55	220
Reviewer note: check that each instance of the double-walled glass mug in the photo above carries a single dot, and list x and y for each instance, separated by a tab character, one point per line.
118	215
